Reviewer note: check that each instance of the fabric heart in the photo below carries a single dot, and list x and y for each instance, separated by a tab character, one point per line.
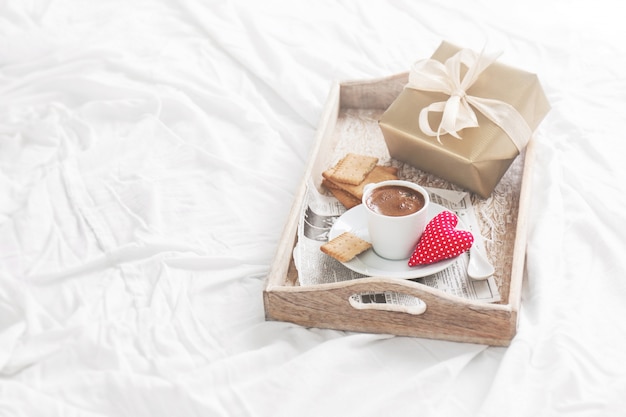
441	240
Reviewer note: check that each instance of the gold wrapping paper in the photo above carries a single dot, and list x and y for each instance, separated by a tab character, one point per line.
478	161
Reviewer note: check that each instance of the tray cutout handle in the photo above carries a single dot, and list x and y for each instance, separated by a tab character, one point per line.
378	301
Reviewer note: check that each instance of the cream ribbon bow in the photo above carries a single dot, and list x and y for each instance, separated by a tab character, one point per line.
457	114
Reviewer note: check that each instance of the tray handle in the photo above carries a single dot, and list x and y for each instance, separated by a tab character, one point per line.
416	310
433	302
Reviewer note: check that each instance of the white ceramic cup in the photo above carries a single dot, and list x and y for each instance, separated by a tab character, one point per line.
395	237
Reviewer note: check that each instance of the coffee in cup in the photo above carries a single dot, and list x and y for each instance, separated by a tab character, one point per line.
395	200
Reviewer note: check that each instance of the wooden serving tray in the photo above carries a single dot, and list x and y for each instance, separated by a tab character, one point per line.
350	124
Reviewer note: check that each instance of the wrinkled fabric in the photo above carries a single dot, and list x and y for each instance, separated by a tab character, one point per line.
149	155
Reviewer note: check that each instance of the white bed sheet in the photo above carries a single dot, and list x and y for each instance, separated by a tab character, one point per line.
149	154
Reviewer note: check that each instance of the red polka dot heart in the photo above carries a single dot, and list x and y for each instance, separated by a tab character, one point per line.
441	240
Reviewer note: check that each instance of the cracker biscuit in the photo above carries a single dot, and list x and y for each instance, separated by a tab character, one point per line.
353	168
378	174
344	197
345	247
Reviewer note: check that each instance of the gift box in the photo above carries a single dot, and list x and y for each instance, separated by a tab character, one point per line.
464	117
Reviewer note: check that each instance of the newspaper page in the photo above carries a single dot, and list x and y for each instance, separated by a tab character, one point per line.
314	267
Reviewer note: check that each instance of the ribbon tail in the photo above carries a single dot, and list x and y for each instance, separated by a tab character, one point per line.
457	116
506	117
424	123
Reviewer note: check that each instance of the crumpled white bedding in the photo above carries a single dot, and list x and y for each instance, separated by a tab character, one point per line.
149	155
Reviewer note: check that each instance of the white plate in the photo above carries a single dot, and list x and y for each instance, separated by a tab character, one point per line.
369	263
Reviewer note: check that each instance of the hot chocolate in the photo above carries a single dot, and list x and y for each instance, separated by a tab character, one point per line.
395	200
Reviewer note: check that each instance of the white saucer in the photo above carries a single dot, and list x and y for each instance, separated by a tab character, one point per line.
369	263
